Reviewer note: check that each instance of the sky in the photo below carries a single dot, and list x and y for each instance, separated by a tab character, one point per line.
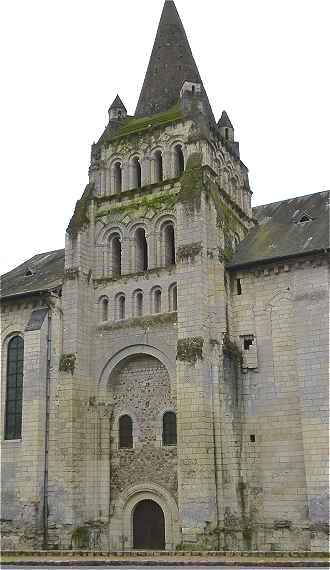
63	61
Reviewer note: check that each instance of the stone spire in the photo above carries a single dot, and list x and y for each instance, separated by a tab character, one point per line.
171	65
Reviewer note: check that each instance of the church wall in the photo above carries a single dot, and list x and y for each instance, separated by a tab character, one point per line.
284	394
23	461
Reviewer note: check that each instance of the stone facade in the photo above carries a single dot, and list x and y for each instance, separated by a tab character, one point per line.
240	354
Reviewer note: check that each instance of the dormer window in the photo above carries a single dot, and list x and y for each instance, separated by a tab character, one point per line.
28	272
304	219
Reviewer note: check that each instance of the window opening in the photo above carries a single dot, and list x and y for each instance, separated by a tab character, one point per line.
158	301
139	304
239	287
173	298
252	438
226	134
125	432
137	173
105	310
159	166
14	391
179	160
169	429
141	250
193	89
118	177
121	307
119	114
116	256
169	238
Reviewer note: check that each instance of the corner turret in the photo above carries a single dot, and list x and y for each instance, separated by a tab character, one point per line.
117	110
226	128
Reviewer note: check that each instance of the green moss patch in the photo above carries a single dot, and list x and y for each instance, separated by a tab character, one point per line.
190	349
138	125
192	181
142	322
189	251
80	217
159	202
67	363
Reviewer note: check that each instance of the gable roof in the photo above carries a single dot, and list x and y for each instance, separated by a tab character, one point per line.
43	272
171	64
279	232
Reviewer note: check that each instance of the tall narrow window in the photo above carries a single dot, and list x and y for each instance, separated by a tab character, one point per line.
105	309
157	301
158	166
125	432
137	173
118	178
138	303
239	287
14	391
121	308
178	160
141	248
173	298
115	248
169	429
169	244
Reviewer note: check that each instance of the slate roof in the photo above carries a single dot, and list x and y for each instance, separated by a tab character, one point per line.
280	233
225	121
47	273
171	64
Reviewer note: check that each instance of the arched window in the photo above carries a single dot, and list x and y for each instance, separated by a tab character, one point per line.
105	309
115	255
141	250
121	307
125	432
169	244
117	178
157	301
169	429
136	173
173	298
138	303
14	389
178	160
158	166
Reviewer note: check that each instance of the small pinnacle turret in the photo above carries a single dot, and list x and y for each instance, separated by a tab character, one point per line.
117	109
226	128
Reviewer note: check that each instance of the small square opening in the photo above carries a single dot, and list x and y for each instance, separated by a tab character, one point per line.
247	343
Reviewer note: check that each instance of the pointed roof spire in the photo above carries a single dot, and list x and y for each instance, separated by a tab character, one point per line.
117	104
225	121
171	64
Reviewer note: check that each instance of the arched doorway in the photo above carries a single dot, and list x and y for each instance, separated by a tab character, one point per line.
148	526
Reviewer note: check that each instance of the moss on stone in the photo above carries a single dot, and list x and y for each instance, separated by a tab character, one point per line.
189	251
190	349
80	217
231	348
133	126
192	181
159	202
80	538
67	363
142	322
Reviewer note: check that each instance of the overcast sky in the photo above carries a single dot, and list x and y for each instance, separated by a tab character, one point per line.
265	61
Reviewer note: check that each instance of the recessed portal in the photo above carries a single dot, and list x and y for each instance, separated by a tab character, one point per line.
148	526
